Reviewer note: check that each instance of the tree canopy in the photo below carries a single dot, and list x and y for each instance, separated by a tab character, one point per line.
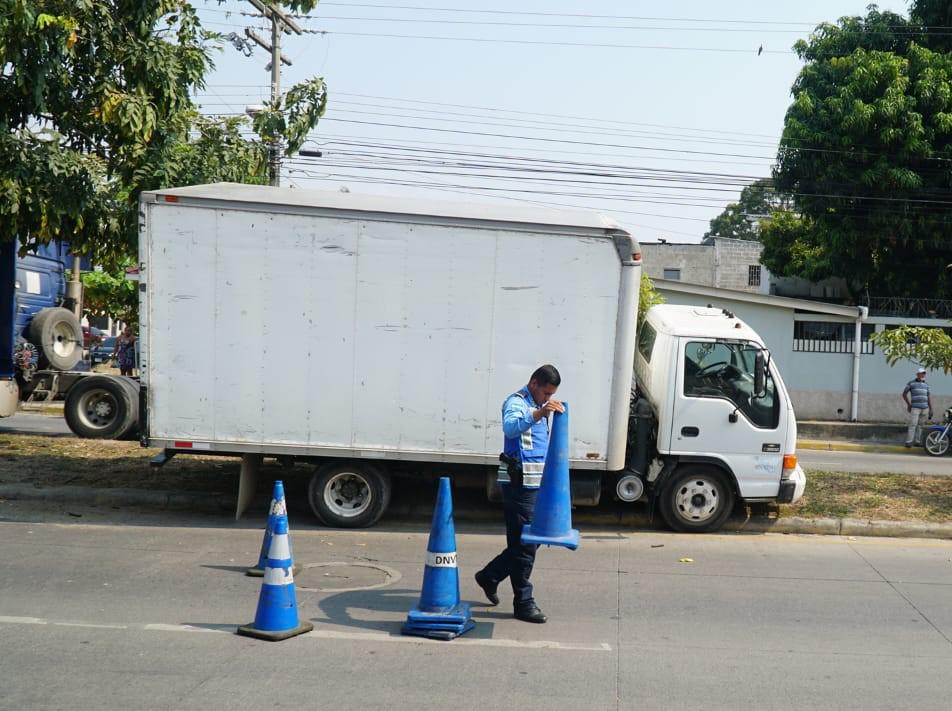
866	154
95	107
741	219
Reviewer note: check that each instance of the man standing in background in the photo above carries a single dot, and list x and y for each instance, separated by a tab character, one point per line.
918	402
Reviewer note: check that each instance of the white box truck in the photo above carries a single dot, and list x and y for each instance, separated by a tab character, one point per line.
378	336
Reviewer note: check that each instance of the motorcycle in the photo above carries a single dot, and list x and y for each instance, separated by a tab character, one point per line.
938	439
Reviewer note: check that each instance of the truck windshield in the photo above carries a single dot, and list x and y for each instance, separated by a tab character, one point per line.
726	370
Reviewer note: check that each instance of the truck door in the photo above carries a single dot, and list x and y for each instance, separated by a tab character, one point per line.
716	414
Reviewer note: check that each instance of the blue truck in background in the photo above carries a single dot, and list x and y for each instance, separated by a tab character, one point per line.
41	347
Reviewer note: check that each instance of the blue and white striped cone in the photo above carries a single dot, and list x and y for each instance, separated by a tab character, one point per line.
552	519
277	617
278	508
440	614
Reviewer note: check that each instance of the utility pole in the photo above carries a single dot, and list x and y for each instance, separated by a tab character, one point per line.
280	23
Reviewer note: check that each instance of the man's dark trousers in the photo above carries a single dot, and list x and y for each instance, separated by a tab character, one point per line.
516	561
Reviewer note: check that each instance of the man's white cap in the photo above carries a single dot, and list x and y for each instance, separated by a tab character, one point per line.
921	370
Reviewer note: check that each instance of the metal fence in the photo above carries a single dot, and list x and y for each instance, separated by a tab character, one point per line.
910	308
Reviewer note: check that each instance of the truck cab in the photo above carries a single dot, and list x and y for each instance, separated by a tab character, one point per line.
723	425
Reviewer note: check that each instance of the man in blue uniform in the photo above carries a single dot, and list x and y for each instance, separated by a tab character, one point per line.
525	427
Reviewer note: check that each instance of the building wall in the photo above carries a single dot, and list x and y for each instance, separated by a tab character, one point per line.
696	261
724	263
820	384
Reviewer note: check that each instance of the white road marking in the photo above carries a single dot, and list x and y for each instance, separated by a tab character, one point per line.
329	634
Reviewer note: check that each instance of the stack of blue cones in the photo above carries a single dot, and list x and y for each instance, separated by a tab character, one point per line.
440	614
276	617
278	508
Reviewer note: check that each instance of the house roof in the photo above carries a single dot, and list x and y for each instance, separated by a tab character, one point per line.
784	302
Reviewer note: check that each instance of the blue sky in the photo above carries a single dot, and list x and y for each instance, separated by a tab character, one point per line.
654	113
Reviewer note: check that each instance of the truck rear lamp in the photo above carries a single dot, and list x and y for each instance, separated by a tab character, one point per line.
789	463
636	256
170	198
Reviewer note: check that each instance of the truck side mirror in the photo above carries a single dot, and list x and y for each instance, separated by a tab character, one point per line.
760	375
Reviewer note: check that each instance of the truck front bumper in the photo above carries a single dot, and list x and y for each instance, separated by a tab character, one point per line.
792	488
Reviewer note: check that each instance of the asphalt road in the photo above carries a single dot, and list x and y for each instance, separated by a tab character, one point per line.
916	461
35	424
95	614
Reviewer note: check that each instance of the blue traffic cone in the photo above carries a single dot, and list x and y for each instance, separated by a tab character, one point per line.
552	521
278	506
440	614
277	617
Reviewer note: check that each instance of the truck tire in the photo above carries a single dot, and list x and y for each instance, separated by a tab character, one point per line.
60	337
349	494
99	407
696	499
132	431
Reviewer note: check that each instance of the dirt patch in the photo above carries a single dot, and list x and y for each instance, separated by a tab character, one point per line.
881	497
60	461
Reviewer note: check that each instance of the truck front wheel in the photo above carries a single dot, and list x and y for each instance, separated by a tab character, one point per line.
696	499
349	494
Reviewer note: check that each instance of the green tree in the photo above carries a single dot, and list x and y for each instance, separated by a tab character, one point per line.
741	219
865	153
648	296
112	295
95	106
929	347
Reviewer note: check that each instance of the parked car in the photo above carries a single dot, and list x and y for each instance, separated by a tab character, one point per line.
91	336
102	351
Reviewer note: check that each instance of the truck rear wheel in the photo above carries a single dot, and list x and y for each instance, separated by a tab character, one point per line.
349	494
696	499
100	407
60	336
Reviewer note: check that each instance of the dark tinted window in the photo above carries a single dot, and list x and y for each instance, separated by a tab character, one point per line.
646	341
726	370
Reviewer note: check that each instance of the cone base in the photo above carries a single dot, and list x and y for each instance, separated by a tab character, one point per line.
437	631
257	572
250	630
457	615
568	540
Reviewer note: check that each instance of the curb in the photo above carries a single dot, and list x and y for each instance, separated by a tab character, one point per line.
842	446
217	502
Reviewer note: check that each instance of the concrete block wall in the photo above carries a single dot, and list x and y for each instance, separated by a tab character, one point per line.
733	257
696	261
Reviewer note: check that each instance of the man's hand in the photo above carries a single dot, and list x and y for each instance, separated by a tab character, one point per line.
908	408
549	406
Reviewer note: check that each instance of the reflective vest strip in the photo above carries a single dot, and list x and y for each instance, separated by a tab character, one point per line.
531	481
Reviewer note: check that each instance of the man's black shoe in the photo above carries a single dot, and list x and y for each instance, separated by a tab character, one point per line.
488	589
530	613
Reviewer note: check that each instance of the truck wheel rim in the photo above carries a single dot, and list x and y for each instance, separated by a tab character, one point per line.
697	500
63	343
97	409
347	495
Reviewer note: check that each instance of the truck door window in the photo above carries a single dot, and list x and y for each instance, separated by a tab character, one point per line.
646	341
726	371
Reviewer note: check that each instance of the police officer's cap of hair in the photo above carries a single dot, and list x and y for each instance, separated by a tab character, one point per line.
546	375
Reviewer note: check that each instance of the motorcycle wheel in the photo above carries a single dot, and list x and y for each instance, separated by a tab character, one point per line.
936	443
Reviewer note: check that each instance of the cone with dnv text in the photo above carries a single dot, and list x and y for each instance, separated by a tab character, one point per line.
277	614
552	520
440	614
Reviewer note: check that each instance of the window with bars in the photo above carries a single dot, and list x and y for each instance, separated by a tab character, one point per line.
753	275
830	337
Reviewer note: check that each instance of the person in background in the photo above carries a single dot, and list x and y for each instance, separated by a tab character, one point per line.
918	403
125	351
